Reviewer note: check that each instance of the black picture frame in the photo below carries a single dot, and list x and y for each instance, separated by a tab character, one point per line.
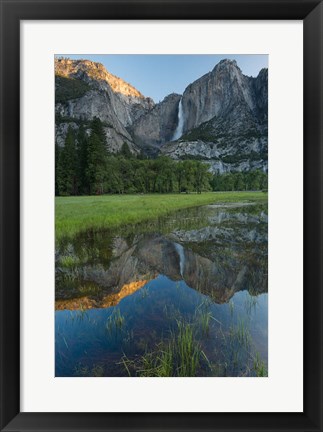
12	12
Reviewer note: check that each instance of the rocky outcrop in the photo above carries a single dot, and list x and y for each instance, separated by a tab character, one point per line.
154	255
225	121
260	85
224	155
121	98
225	254
224	93
159	124
108	300
223	115
87	90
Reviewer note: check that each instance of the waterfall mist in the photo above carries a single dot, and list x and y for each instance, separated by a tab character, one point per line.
180	122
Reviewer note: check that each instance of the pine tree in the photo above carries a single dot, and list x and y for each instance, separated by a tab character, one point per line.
96	158
82	160
57	170
67	166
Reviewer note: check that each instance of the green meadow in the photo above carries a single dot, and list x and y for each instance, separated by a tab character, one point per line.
80	213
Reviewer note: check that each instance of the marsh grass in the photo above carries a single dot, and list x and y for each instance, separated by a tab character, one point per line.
178	356
128	340
74	215
144	293
187	350
68	261
72	275
231	307
97	371
259	366
239	355
81	313
251	303
65	342
205	322
89	289
115	323
171	313
83	370
237	345
202	319
240	334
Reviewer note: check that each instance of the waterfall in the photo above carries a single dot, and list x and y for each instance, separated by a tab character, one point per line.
180	250
180	122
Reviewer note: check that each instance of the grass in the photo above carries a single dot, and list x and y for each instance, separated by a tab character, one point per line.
179	356
82	370
240	334
77	214
231	307
115	322
187	350
89	289
259	366
251	304
68	261
205	322
203	317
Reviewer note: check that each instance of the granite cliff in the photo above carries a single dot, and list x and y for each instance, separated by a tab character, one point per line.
225	120
221	118
84	90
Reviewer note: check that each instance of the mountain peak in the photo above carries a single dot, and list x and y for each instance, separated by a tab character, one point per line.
94	71
225	63
263	72
222	116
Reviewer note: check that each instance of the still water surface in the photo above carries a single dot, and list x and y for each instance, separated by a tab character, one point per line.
184	295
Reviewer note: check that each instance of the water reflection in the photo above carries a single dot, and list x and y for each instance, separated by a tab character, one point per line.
123	298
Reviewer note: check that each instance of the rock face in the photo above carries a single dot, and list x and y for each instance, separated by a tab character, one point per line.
224	93
225	120
85	90
158	125
227	255
224	114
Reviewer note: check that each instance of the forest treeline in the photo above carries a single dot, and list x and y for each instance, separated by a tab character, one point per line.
85	167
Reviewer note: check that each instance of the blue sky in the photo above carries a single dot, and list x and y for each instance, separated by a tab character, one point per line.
157	76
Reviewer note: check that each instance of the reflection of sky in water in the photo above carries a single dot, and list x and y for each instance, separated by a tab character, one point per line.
207	261
83	341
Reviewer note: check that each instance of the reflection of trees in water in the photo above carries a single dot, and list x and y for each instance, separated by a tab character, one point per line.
222	251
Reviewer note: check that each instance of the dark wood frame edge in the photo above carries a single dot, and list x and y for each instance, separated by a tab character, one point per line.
12	12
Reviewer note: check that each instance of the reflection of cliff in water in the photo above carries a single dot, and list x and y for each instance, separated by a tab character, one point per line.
227	255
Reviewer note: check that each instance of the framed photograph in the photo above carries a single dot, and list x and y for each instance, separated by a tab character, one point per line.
161	200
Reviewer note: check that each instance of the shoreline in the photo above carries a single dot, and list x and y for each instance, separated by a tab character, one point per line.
77	214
